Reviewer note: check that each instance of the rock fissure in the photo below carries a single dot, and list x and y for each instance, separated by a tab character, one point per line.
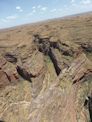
45	46
10	58
53	59
58	62
24	74
88	104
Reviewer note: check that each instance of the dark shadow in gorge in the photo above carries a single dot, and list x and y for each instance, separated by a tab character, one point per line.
24	74
10	58
45	46
2	121
55	63
88	103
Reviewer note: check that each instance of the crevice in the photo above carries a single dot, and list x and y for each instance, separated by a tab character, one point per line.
90	108
8	77
45	46
55	63
2	121
87	47
80	79
88	104
24	74
87	76
10	58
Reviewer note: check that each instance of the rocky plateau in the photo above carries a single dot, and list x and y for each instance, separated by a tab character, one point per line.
46	71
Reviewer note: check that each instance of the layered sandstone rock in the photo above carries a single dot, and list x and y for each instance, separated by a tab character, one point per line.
46	72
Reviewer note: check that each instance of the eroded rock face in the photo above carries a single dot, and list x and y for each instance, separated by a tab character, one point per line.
59	101
49	48
4	79
7	76
60	104
46	76
88	103
87	46
10	57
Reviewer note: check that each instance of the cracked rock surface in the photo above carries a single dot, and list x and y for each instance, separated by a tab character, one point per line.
46	71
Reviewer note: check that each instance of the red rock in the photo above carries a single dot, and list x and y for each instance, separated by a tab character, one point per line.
4	81
8	78
2	62
14	78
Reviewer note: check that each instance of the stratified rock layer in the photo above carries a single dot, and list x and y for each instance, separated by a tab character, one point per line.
46	71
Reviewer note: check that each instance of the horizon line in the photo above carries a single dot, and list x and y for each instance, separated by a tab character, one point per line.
46	20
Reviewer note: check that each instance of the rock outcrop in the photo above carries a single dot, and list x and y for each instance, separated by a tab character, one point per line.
46	72
7	76
10	57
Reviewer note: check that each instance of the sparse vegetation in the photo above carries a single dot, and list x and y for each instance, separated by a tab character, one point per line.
56	56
